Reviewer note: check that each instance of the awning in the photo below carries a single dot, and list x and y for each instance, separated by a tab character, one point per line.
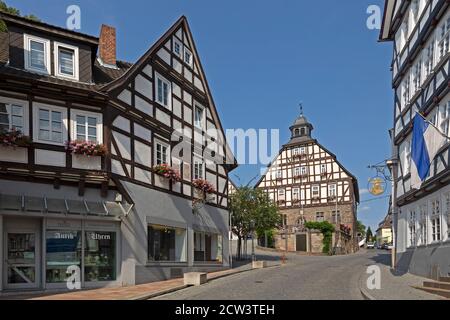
44	205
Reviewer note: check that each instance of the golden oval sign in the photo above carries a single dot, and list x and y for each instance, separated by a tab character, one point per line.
377	186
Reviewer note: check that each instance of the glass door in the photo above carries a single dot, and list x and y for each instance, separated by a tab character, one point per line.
21	261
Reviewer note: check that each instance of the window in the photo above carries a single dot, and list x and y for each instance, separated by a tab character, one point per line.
87	126
423	225
407	157
444	38
315	192
166	243
416	77
279	174
198	168
100	256
412	228
63	249
162	153
50	123
444	116
435	221
446	226
163	90
281	193
37	54
284	220
414	13
207	247
295	194
187	56
405	92
302	131
332	190
296	151
320	216
11	117
303	171
66	61
177	47
297	172
428	59
199	113
323	168
336	216
302	150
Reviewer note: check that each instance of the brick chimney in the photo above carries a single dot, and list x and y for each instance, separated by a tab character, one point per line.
107	45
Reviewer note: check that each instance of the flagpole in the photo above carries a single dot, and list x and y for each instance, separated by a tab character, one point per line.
433	125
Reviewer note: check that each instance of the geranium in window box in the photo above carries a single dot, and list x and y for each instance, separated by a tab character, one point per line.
203	185
14	138
86	148
166	171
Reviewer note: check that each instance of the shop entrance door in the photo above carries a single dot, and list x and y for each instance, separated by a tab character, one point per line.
21	266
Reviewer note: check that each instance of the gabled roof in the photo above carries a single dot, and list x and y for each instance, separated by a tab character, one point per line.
354	179
135	69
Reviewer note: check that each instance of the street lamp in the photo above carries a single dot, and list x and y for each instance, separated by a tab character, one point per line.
252	229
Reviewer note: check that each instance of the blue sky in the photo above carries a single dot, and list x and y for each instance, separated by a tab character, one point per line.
262	58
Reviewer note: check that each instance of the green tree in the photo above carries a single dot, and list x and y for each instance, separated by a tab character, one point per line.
14	11
369	235
248	204
361	228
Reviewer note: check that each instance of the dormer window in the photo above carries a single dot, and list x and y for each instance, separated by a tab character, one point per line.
177	47
37	54
66	61
302	131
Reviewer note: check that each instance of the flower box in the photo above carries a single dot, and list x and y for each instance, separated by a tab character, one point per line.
14	138
167	172
80	161
86	148
13	154
204	186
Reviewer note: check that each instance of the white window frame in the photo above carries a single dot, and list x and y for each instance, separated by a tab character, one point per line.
303	171
176	41
191	62
295	194
423	224
406	91
279	174
36	107
203	120
155	153
73	123
443	34
296	151
323	168
412	229
59	45
315	189
281	194
297	172
198	163
332	190
302	150
27	54
444	117
169	93
435	221
26	116
446	217
416	77
428	59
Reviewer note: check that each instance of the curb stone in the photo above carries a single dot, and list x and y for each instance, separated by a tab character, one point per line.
366	295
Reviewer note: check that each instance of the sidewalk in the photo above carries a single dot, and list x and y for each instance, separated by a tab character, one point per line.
138	292
395	286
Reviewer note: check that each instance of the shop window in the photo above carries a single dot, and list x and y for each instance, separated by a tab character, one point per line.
100	256
166	243
63	250
207	247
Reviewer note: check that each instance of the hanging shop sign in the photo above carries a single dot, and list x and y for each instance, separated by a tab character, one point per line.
377	186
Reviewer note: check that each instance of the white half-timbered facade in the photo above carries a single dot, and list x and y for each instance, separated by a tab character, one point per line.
420	32
309	184
83	185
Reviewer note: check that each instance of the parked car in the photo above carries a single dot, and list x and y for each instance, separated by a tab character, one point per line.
390	246
370	245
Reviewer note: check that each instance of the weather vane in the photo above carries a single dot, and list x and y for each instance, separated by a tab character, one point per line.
301	108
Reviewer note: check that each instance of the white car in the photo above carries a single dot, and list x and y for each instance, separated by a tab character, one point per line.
370	245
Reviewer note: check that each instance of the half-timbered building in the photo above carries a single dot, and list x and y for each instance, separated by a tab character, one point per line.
113	173
420	32
309	184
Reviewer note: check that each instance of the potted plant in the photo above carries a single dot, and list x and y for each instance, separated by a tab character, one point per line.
14	138
204	186
86	148
166	171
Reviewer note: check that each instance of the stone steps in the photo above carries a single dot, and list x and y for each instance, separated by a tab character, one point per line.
441	287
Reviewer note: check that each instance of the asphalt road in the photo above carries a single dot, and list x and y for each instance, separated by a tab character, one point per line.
302	278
